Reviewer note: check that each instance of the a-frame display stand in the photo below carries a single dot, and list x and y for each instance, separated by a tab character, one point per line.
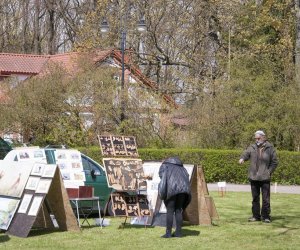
202	208
200	211
54	211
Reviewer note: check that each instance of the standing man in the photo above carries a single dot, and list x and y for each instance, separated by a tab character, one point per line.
263	161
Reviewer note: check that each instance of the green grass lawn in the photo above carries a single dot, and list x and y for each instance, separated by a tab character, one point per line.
231	231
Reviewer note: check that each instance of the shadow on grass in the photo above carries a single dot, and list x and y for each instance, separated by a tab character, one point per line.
286	222
42	231
4	238
189	232
124	226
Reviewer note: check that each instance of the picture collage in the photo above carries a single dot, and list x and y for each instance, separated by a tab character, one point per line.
70	165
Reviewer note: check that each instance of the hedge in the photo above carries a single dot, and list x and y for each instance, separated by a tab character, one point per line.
219	165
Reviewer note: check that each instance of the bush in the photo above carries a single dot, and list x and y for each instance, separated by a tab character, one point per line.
219	165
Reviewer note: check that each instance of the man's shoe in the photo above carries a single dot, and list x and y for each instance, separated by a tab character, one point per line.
266	220
253	219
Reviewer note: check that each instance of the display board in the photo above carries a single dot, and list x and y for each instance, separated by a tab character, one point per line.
70	165
47	206
125	174
112	145
25	188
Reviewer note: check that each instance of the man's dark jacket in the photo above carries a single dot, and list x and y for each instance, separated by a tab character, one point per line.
263	161
177	178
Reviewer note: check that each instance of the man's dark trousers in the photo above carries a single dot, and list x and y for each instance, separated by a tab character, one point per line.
264	188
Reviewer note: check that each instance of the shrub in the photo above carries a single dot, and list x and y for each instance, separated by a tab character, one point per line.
218	165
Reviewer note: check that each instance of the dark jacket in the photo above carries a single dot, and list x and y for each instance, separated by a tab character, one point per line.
263	161
177	178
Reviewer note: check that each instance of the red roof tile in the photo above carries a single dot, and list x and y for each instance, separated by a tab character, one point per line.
22	63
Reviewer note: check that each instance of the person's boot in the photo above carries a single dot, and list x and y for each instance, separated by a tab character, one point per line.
167	234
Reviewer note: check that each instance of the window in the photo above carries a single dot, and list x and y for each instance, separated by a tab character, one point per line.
88	166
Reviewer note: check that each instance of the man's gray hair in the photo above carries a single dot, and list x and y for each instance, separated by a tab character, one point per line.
260	132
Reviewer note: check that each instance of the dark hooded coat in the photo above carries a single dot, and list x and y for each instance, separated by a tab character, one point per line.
177	178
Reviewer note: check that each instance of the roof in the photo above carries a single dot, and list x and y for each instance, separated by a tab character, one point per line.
31	64
22	63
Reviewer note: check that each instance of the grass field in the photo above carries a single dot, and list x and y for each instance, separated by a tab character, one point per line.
231	231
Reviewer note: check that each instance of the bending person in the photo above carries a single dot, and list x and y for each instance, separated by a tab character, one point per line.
177	193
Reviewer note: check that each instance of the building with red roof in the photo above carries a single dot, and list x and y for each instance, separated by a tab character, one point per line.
24	66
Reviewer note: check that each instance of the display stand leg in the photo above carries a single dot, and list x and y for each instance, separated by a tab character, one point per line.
124	223
105	209
99	210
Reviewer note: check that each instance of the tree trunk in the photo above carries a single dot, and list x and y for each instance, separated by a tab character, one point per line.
297	44
51	26
24	26
37	30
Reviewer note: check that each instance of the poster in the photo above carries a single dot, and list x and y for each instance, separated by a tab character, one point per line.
43	186
13	177
25	203
32	183
35	205
8	208
38	169
49	170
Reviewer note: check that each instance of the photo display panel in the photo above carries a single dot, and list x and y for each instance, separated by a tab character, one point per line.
130	146
106	145
118	204
118	144
124	204
132	206
144	205
112	145
125	174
